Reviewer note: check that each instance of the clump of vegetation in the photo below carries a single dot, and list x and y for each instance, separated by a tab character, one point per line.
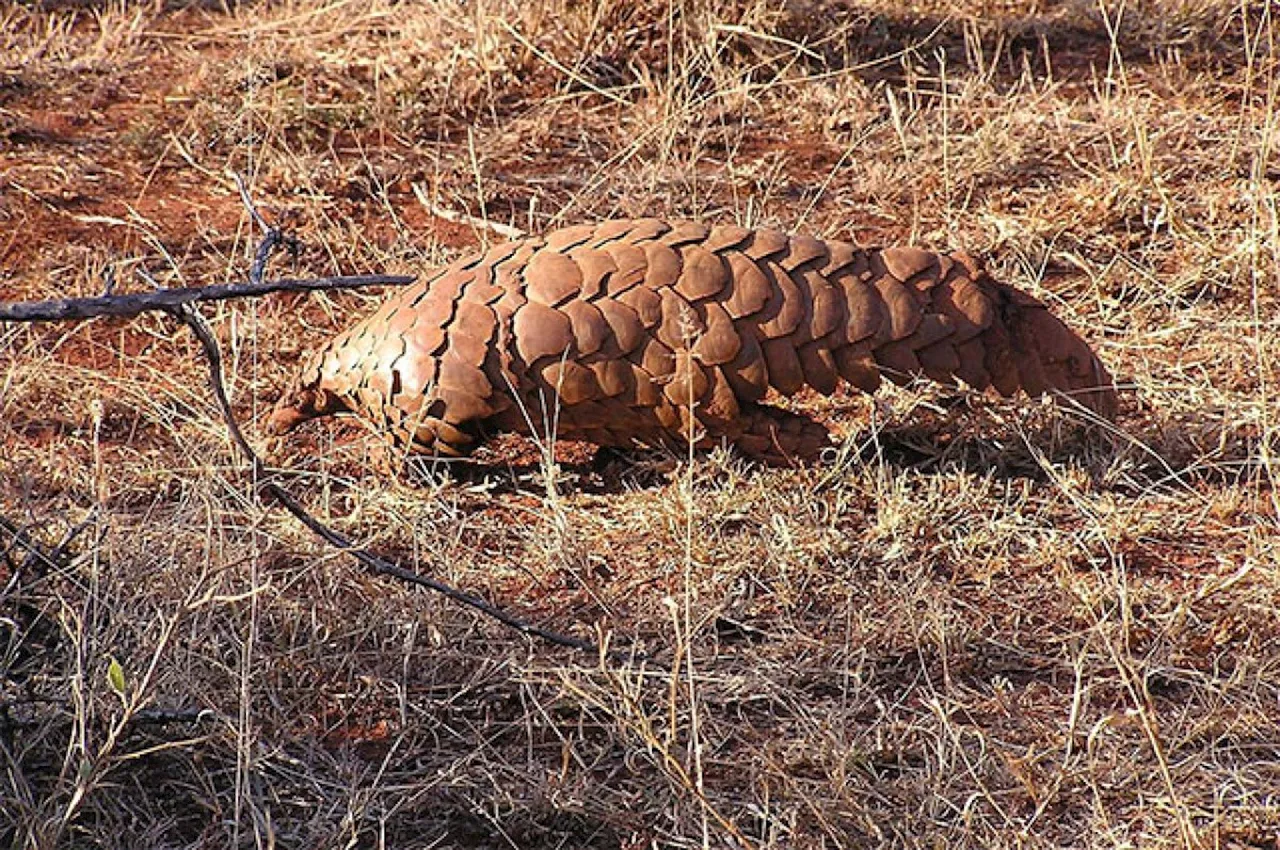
977	625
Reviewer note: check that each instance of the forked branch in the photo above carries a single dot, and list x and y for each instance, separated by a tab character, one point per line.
180	303
262	480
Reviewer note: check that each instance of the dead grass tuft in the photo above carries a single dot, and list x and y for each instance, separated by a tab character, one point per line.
980	625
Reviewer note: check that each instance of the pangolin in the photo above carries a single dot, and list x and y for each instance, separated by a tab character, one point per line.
651	332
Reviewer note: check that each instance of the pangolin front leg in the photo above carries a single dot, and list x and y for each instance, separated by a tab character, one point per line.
644	331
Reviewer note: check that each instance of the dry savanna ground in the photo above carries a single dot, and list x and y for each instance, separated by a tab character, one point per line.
979	624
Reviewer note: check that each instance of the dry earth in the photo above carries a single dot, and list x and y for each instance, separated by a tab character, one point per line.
981	624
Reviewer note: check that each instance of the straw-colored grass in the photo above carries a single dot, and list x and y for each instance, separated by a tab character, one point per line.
979	625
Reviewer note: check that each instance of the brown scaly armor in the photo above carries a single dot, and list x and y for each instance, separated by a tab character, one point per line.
656	332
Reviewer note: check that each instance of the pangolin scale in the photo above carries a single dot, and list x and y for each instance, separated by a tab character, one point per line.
665	333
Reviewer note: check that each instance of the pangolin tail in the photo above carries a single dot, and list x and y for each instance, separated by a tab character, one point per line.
1029	348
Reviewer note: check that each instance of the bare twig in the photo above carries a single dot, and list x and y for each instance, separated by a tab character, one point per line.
188	315
252	208
132	304
180	303
143	717
272	237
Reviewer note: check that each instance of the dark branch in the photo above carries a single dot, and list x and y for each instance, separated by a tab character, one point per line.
272	237
180	303
188	315
27	714
66	309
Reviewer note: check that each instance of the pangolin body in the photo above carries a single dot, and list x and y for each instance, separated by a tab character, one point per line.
654	332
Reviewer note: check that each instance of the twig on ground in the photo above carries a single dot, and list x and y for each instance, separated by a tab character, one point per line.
272	237
188	316
142	717
252	209
132	304
180	303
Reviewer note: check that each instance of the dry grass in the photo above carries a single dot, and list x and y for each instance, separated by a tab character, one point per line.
980	626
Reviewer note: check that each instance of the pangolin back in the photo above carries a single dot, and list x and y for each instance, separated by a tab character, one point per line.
644	331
